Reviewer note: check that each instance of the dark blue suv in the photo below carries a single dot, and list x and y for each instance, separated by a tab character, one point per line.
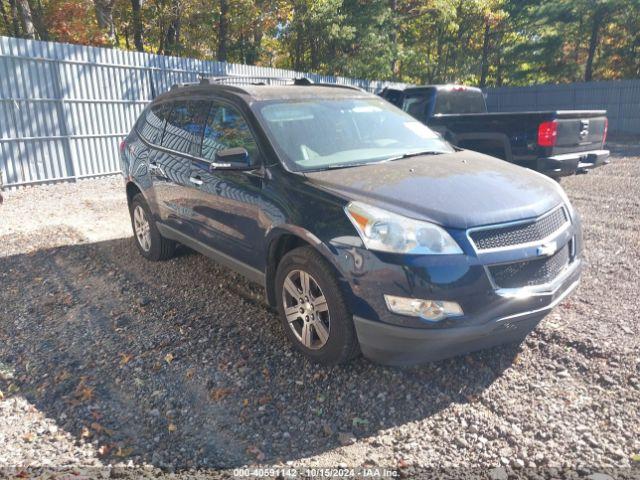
368	231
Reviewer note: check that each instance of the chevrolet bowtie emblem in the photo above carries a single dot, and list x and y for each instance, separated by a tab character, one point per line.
547	249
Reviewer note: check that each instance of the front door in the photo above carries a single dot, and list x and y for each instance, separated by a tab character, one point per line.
227	205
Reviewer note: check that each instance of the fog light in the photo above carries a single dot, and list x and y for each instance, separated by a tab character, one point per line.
431	310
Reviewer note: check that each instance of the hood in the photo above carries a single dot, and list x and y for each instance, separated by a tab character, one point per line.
458	190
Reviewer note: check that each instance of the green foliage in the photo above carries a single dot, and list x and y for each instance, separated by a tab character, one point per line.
486	42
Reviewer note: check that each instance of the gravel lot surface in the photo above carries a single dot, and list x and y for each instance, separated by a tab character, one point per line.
112	365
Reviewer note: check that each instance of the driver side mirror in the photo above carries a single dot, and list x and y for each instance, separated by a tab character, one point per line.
231	159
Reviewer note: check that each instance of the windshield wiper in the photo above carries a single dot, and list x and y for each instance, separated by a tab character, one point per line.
345	165
413	154
384	160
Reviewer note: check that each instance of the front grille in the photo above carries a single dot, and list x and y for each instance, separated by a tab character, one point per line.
520	233
531	272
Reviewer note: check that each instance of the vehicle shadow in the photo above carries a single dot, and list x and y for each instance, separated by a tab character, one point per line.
181	364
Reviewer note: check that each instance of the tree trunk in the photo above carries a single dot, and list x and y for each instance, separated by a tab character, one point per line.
394	38
137	25
172	38
104	15
26	19
598	18
223	31
14	17
484	69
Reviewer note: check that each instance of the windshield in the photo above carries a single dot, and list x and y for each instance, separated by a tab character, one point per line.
321	134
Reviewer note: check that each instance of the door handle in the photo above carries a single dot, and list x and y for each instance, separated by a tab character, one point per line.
155	169
195	180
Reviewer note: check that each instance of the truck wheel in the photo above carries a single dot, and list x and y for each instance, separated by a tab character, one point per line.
150	243
313	310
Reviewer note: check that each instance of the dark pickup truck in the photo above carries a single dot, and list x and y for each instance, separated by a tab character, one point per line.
556	143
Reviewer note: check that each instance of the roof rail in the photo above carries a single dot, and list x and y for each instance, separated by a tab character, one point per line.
253	80
257	80
175	86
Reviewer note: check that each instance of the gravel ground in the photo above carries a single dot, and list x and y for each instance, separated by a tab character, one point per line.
112	365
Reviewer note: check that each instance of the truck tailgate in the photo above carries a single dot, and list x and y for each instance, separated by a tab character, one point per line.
579	131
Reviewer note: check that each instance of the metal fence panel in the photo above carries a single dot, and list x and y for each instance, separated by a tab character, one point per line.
620	98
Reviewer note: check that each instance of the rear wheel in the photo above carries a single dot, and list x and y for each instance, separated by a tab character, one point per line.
150	243
312	308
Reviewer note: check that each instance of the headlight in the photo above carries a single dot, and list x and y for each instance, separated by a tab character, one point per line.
389	232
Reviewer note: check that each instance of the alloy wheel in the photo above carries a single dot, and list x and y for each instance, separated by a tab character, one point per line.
306	309
142	228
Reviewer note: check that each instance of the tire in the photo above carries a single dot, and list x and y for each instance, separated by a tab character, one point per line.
340	341
155	247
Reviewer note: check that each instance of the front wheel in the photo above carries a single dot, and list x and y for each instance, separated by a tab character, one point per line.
312	308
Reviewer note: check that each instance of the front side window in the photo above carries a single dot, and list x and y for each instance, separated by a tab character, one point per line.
226	128
183	132
318	134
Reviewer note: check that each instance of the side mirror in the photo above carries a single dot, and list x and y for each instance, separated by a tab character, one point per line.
231	159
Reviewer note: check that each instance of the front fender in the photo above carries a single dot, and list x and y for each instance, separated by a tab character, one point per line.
272	240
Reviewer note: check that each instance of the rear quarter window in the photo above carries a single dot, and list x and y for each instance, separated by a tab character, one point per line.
184	127
459	101
152	122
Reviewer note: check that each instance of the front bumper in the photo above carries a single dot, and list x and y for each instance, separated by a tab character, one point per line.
572	163
396	345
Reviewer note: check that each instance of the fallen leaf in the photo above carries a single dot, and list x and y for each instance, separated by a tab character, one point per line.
635	458
219	393
29	437
85	433
172	427
245	402
125	358
257	452
124	452
85	394
96	426
264	399
62	376
1	395
169	358
190	373
104	450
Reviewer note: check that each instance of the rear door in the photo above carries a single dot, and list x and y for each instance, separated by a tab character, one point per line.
226	204
170	165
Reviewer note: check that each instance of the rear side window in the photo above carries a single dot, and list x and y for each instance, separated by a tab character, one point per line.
183	132
459	101
226	128
417	106
151	125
